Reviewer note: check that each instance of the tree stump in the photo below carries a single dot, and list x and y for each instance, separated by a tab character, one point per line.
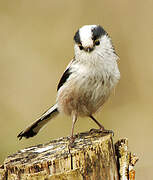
92	158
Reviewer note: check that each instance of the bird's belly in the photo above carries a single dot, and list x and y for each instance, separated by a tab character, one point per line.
83	98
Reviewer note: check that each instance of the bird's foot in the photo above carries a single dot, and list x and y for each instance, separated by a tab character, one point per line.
71	142
101	130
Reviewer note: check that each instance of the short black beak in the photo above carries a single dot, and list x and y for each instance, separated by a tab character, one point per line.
89	49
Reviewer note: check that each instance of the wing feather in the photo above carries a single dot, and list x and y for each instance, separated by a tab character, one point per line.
65	75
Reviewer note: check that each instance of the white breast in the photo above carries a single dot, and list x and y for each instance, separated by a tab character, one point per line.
87	88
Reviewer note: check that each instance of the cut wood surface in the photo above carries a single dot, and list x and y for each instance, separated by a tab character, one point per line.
92	158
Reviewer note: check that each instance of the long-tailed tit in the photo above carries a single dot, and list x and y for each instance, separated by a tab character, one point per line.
87	81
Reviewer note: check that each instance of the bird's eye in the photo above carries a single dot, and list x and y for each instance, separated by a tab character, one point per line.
80	46
97	42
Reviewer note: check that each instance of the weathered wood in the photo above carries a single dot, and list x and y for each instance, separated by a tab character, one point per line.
92	158
125	160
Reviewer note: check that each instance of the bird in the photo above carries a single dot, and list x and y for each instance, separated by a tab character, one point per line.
87	82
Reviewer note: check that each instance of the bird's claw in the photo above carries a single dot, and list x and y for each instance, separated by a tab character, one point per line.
101	130
71	142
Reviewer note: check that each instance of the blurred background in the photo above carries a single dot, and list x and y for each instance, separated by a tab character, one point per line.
36	44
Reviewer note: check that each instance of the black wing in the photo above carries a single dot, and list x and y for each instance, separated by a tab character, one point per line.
64	78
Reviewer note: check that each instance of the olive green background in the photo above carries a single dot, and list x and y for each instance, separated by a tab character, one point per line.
36	44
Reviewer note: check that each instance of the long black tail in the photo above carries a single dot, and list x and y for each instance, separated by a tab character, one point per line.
34	128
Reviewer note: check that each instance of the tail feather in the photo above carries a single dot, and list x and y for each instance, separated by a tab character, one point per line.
34	128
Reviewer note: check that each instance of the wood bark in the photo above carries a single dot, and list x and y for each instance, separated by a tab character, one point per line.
92	158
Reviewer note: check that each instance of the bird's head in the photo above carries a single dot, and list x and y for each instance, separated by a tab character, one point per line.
92	39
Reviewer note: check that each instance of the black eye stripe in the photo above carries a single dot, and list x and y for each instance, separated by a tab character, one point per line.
97	32
77	37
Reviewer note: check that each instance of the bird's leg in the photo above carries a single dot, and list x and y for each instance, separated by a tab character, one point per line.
100	125
102	129
74	119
